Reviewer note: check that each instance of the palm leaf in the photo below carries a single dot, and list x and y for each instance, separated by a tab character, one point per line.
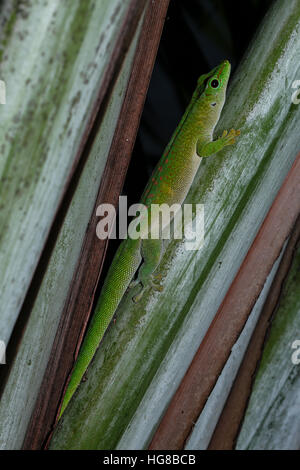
145	354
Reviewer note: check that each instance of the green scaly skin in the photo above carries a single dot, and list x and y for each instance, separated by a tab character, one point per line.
169	183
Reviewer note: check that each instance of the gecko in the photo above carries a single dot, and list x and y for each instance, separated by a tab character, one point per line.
170	182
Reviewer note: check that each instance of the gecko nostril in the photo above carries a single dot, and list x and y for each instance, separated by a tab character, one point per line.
213	104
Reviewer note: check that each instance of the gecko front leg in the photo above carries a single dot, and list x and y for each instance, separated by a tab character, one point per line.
205	149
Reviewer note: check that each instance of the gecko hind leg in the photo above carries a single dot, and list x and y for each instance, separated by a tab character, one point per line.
151	252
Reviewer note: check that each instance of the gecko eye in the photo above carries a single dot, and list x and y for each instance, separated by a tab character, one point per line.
214	83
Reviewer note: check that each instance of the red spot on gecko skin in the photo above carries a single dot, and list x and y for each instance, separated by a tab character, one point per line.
160	168
167	160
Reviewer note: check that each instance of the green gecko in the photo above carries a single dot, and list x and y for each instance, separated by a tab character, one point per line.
169	183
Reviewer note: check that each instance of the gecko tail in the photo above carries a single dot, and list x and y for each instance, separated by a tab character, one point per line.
121	272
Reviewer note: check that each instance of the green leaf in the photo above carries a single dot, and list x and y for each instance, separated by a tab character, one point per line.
46	178
205	425
53	61
272	417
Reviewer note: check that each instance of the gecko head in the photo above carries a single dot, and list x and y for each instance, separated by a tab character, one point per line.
209	96
216	82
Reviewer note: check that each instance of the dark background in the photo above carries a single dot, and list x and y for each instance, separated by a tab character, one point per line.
197	35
